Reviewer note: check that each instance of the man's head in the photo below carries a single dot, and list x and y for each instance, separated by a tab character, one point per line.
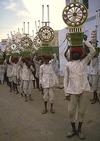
75	56
14	60
76	53
46	58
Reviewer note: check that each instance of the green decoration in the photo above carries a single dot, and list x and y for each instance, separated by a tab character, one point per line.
76	38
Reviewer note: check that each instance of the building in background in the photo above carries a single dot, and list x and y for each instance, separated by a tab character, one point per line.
92	23
54	42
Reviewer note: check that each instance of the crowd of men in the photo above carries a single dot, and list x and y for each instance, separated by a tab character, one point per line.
81	76
24	74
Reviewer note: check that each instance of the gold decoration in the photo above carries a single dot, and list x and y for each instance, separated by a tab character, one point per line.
46	34
75	14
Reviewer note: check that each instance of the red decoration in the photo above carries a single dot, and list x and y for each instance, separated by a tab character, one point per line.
77	50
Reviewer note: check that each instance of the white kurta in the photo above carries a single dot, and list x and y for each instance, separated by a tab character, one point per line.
99	64
9	70
31	76
19	72
75	79
25	72
94	66
2	72
47	76
14	70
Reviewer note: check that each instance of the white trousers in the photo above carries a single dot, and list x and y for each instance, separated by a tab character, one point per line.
48	94
27	87
94	80
77	107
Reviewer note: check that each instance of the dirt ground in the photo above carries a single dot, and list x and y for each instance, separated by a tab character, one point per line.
23	121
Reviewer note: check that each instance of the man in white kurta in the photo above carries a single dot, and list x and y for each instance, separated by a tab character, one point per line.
37	64
9	75
27	80
19	79
93	77
98	88
47	80
14	73
2	72
76	86
55	65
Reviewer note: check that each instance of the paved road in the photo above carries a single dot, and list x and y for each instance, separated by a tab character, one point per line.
23	121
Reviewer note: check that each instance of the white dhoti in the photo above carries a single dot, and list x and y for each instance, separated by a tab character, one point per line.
48	94
77	107
14	79
94	82
27	86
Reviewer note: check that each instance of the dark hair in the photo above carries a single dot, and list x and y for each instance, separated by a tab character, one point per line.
75	56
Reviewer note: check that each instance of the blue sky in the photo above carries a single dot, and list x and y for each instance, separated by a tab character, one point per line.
14	12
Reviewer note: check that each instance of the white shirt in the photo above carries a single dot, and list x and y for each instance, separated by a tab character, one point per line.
37	67
54	62
94	66
2	69
25	72
9	70
31	76
75	78
99	64
14	69
47	76
19	72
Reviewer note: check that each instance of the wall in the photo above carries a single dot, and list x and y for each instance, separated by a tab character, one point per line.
62	48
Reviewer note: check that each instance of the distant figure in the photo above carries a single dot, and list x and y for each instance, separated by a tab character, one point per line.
9	75
27	79
2	71
37	63
98	90
93	77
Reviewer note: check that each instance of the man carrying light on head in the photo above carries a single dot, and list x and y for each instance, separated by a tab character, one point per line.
76	87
